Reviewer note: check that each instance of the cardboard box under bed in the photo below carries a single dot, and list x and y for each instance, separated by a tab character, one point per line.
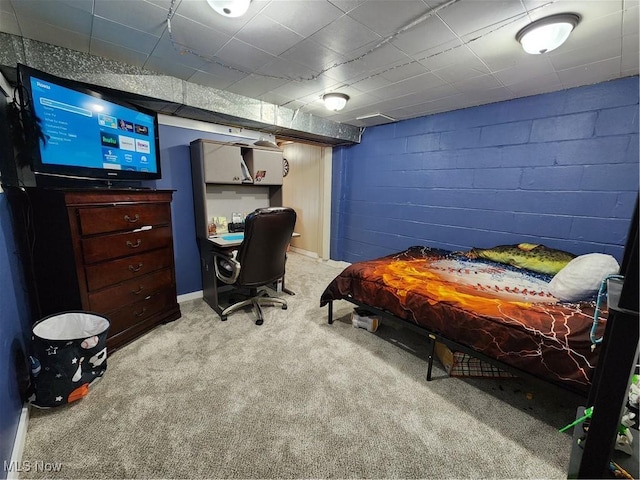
458	364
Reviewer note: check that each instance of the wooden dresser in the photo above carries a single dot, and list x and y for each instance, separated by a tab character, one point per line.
104	251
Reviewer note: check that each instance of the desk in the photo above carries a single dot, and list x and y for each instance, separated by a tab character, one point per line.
229	240
211	286
226	240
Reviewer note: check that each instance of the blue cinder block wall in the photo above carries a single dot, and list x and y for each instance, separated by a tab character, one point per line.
559	169
15	323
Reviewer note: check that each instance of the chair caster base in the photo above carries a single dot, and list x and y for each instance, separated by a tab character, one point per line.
284	307
224	319
259	321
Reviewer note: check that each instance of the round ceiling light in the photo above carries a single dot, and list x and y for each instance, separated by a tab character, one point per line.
335	101
547	34
230	8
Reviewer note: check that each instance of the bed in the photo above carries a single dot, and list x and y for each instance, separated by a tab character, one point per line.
497	312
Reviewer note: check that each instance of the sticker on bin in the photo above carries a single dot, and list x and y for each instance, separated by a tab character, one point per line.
69	354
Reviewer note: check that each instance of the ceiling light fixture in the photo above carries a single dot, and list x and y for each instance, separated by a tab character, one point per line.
335	101
230	8
547	34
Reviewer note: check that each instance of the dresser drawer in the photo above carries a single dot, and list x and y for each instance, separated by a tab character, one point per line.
131	291
122	217
102	275
132	314
97	249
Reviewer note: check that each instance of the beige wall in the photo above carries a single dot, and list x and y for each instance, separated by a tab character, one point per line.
304	191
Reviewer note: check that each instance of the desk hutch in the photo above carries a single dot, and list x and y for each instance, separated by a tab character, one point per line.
217	174
100	250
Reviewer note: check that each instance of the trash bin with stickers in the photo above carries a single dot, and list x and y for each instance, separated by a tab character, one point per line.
69	353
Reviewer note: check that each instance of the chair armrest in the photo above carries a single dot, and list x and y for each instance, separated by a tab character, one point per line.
229	275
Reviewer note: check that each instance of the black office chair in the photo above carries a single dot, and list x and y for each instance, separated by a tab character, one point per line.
259	260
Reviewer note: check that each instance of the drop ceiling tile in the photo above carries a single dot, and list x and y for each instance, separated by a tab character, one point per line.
344	35
449	53
467	66
402	71
592	73
369	83
311	54
565	59
344	69
165	4
536	84
283	68
46	33
405	87
346	5
243	55
630	20
160	64
296	15
210	80
117	52
528	67
386	18
196	37
310	88
173	56
8	20
431	33
118	34
498	51
588	10
593	31
60	15
142	16
268	35
222	70
376	58
276	99
630	53
466	18
477	84
255	85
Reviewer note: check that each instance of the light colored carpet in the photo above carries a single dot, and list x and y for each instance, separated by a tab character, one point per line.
296	398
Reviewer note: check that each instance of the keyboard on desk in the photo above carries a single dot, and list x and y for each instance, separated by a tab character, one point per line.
227	239
232	236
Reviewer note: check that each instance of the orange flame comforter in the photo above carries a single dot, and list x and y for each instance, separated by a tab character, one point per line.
503	312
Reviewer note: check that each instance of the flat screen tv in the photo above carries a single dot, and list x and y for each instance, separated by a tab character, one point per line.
84	133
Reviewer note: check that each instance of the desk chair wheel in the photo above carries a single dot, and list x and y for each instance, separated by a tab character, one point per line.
223	318
284	307
259	321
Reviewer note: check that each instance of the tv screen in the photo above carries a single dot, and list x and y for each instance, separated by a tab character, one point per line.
83	132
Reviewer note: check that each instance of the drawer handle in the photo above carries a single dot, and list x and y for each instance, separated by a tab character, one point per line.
132	220
137	292
140	313
134	245
135	269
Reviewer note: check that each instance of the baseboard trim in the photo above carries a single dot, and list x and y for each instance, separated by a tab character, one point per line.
18	444
189	296
306	253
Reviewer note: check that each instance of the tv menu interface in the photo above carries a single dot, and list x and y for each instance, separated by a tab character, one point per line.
85	131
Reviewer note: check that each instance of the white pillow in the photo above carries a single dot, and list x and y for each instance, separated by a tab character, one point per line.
582	276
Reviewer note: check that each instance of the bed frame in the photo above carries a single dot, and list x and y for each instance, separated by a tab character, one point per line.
433	337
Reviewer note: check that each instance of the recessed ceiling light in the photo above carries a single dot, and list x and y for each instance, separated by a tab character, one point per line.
335	101
547	34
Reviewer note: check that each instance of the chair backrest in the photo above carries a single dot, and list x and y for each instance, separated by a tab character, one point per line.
262	253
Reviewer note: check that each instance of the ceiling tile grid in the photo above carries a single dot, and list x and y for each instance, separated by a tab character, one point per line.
395	58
